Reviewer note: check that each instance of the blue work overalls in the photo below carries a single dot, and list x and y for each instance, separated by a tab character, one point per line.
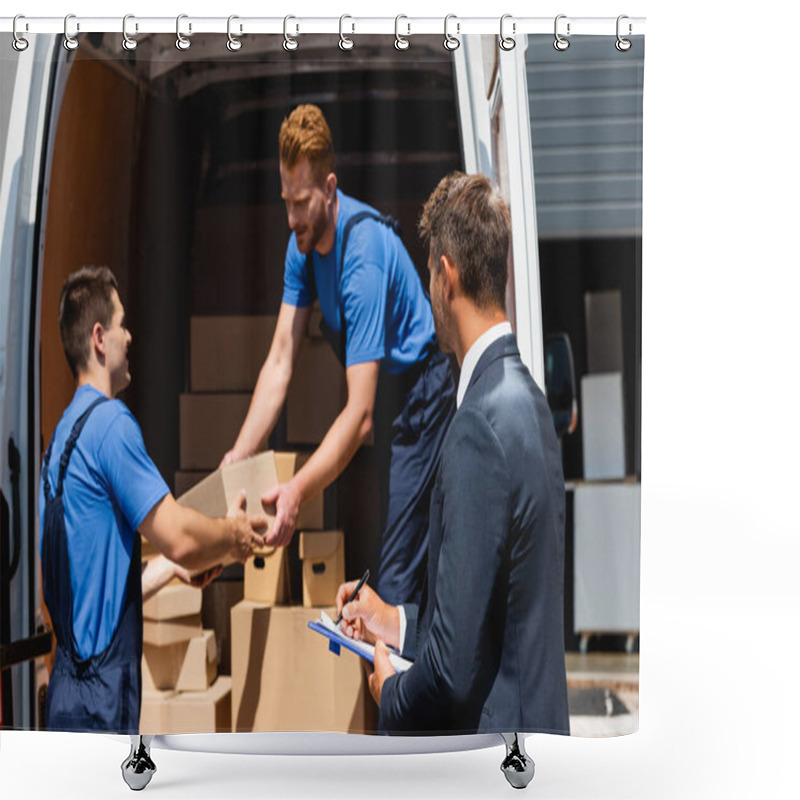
102	692
412	414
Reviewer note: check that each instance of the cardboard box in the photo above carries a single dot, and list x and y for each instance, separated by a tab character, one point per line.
312	513
322	554
317	393
171	631
200	712
209	425
286	679
151	716
213	494
266	576
161	665
173	601
219	597
199	669
186	479
226	353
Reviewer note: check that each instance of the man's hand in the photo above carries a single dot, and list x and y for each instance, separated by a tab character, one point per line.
250	532
383	669
286	500
367	617
231	457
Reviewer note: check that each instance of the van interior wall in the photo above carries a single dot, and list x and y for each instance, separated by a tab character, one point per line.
89	206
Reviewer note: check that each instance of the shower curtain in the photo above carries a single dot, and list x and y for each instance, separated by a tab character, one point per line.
162	162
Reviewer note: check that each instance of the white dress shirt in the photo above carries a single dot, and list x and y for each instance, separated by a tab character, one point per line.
471	359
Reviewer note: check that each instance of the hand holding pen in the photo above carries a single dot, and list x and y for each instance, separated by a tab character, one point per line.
362	615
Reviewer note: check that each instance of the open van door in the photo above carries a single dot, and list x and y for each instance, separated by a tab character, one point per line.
496	140
29	102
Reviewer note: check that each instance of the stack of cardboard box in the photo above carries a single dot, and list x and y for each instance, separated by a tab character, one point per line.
181	692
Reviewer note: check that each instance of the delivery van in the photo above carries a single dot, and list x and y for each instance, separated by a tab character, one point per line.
163	165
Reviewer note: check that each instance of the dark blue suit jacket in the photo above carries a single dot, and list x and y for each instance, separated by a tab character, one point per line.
488	639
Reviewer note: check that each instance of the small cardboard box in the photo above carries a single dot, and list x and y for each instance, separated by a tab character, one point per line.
227	353
171	631
161	665
286	679
322	554
173	601
200	712
151	716
209	425
317	393
266	576
213	494
199	669
312	513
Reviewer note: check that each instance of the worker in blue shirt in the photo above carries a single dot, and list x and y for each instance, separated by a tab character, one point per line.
378	319
99	490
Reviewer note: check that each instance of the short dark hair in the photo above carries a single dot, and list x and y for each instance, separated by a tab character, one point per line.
86	298
466	219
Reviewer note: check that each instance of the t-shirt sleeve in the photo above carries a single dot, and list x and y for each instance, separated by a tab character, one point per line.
296	285
133	478
365	293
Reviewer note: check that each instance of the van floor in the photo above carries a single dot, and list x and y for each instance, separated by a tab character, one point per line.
603	690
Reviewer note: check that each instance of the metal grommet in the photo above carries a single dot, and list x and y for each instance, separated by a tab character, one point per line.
233	44
507	42
451	42
70	42
289	42
623	45
19	43
344	42
560	43
127	42
400	42
182	42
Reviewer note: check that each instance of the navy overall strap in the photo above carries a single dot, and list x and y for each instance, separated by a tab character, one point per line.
339	343
57	581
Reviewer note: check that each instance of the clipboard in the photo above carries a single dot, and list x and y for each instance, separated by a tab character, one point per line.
337	640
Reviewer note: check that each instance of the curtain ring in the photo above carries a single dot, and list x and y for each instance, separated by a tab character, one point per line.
507	42
70	42
289	42
19	43
234	43
560	42
451	42
182	42
623	44
128	43
400	42
344	42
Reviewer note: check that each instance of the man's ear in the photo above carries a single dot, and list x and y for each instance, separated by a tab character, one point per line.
450	273
331	182
98	340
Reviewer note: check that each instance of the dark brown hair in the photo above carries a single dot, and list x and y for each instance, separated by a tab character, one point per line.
305	134
86	298
466	219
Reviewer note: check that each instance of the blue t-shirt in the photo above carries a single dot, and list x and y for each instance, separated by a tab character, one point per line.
111	485
387	312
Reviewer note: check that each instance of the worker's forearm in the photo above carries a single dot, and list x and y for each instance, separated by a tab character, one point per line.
265	407
340	444
202	542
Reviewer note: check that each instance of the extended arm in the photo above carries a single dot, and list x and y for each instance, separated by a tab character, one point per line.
273	383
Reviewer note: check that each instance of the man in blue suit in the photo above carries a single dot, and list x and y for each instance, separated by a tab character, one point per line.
487	641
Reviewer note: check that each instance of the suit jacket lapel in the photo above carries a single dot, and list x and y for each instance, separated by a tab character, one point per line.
502	348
